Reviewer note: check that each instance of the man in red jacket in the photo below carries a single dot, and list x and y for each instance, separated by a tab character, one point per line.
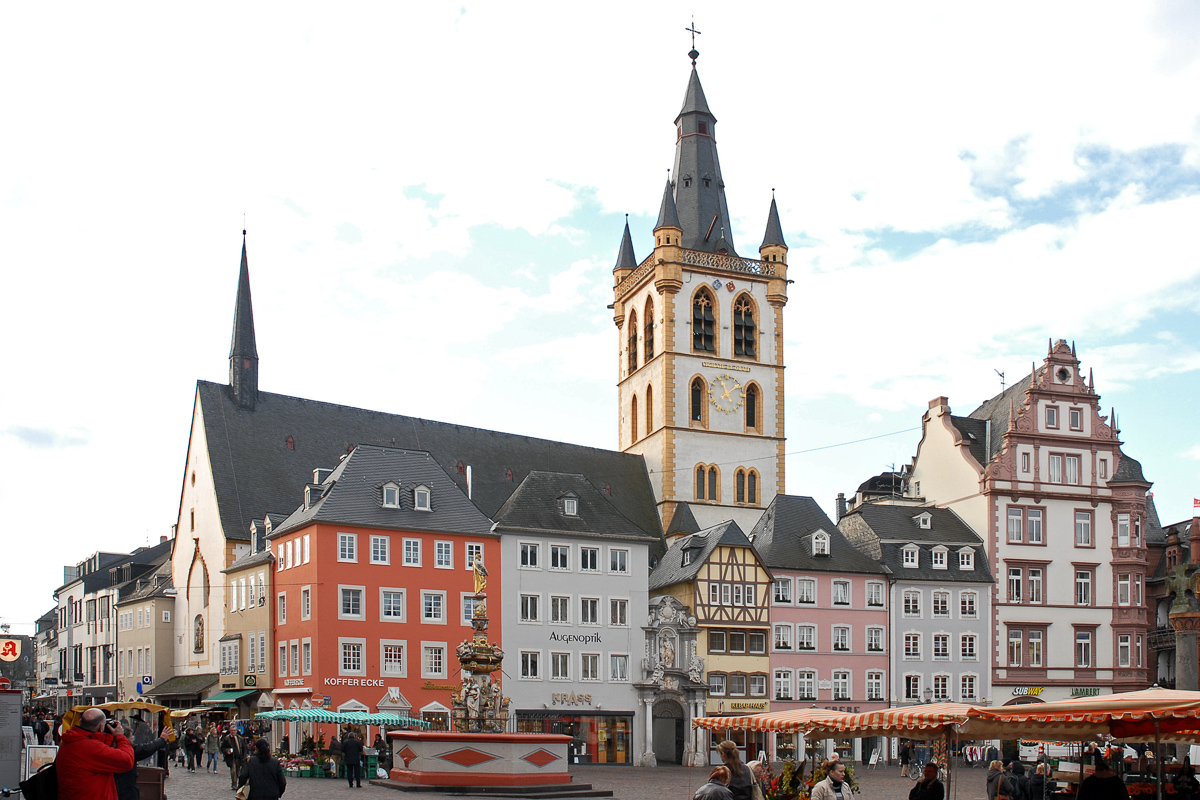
90	755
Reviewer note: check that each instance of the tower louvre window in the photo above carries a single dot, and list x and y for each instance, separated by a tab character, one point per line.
633	420
648	335
744	336
633	341
703	322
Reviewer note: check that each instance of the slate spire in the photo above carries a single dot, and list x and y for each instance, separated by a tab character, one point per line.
774	233
699	188
668	216
243	352
625	257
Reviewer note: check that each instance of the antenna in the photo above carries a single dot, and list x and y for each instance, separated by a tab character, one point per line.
1001	374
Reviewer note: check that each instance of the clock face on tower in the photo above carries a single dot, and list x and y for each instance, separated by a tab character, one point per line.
728	394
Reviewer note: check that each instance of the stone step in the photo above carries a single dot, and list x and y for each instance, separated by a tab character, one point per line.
545	792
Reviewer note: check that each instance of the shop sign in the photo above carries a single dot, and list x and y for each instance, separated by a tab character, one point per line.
570	699
1027	691
582	638
1085	691
843	709
752	705
354	682
293	681
249	680
10	649
432	687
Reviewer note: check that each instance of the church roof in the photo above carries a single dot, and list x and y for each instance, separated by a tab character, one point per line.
682	520
255	470
693	98
243	342
699	188
625	257
668	216
537	507
774	232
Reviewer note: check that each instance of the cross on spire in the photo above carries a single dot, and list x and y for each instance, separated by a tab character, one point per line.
693	53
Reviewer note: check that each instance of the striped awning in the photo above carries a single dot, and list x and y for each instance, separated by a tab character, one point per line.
1137	715
922	721
339	717
796	720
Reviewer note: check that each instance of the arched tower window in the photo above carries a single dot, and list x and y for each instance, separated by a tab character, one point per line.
745	334
701	481
745	483
739	485
632	329
648	335
649	409
704	321
752	410
752	487
699	402
713	485
707	482
633	420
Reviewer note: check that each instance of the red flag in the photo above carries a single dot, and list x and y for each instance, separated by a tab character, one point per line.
1196	502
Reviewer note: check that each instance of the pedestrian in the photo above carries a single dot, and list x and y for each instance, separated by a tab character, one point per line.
263	773
1018	772
741	778
335	755
285	745
905	759
212	746
995	773
1039	782
929	787
835	786
383	752
1185	781
40	729
91	754
352	748
717	787
194	745
127	788
234	747
1103	784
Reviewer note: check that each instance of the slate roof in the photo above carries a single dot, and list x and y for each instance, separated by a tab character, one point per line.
1128	471
251	560
668	216
353	495
146	592
243	343
671	569
783	538
891	483
625	257
774	232
699	188
98	578
253	469
974	431
996	411
1155	535
895	527
185	684
537	506
893	559
682	520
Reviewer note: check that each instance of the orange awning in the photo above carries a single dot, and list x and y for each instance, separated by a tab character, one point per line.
923	721
1129	715
796	720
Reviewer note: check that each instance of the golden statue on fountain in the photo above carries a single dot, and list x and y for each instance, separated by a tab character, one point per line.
480	705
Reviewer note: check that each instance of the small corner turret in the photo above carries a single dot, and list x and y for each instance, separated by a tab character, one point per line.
774	249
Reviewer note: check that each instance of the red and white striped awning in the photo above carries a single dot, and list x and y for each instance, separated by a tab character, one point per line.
798	719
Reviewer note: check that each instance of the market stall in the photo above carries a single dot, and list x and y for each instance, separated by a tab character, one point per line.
318	763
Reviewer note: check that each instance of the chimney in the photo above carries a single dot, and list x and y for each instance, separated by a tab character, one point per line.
840	506
162	540
1194	541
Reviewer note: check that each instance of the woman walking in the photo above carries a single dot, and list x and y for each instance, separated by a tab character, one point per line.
835	786
263	773
741	778
211	747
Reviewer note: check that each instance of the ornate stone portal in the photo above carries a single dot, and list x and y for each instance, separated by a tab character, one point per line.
673	689
479	706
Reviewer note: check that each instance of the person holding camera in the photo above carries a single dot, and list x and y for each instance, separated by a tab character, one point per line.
91	754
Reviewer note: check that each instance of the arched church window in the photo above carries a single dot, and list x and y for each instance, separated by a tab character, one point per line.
703	322
648	334
633	420
649	409
699	404
751	407
752	487
701	481
712	484
632	328
744	334
739	485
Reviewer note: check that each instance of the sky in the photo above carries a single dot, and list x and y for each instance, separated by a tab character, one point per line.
435	195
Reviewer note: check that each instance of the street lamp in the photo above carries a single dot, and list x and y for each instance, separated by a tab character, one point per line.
928	695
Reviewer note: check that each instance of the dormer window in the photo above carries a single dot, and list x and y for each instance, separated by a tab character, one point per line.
687	557
939	557
924	521
911	556
820	543
311	495
391	495
966	559
571	506
422	499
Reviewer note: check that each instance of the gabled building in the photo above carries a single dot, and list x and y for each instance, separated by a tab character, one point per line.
939	600
718	576
86	632
1041	475
247	647
574	575
146	633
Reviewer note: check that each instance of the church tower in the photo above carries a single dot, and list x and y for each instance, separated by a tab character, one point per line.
701	341
243	352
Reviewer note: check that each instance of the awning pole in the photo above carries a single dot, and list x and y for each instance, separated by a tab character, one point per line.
1157	755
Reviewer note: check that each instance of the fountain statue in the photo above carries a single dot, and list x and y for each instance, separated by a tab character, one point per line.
479	706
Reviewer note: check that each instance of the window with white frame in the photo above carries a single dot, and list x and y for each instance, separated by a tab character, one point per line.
1016	647
912	687
618	667
1124	649
391	656
1083	529
571	506
912	603
618	613
874	639
391	495
912	646
737	641
820	543
758	685
1083	587
966	560
968	605
618	561
473	550
433	607
588	611
294	649
529	555
412	552
589	559
737	594
305	602
783	637
716	684
560	610
351	662
443	555
941	687
941	604
1083	648
530	665
282	611
560	556
841	638
783	684
841	593
737	685
874	685
782	591
1122	530
757	641
806	685
560	666
716	641
422	500
941	647
1124	593
529	608
841	685
874	594
589	666
351	606
939	557
967	687
380	551
306	656
806	637
967	647
348	547
433	660
304	539
1015	587
468	607
806	591
910	557
282	660
391	604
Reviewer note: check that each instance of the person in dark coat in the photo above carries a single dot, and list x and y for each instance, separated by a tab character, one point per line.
929	787
233	748
352	748
1185	782
1039	782
335	754
994	776
127	788
1018	772
263	773
1103	784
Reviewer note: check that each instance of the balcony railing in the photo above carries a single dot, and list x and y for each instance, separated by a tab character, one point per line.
1161	639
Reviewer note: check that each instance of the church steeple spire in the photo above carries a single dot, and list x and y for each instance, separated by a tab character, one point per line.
243	352
626	260
699	187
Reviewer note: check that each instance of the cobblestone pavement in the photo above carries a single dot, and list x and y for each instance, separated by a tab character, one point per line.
626	783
